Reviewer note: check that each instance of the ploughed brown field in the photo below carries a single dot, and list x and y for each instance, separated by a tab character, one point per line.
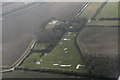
99	40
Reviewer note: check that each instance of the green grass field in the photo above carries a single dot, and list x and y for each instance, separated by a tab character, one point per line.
58	56
110	10
40	46
32	59
103	23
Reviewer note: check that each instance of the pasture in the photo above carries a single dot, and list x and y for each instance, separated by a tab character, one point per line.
63	57
103	23
110	10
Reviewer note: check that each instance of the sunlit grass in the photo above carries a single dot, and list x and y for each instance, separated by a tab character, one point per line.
110	10
58	56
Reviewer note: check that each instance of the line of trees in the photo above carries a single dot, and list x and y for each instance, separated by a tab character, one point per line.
60	71
101	66
53	35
